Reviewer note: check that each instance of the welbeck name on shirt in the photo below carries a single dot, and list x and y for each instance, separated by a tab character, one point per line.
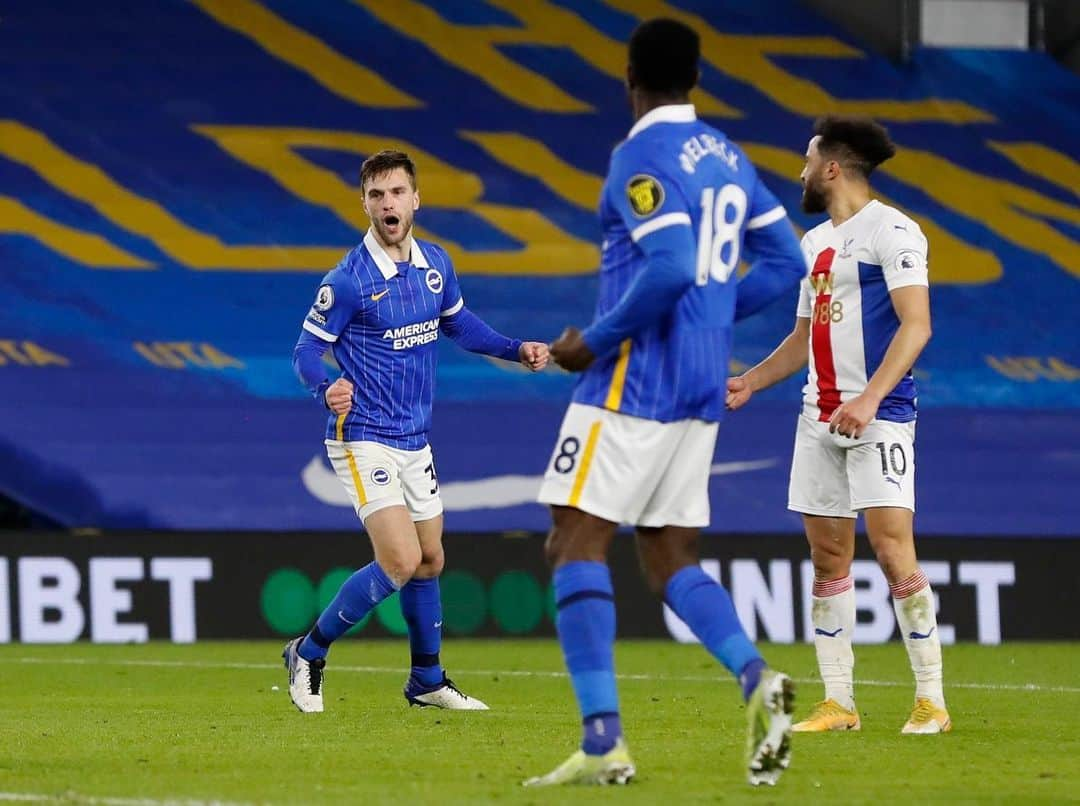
413	335
700	146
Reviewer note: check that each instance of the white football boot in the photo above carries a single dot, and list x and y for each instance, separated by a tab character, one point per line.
444	695
305	678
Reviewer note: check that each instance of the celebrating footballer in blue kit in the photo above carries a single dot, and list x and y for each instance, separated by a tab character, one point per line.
680	207
382	310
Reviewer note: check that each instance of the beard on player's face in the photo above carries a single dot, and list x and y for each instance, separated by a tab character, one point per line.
814	198
392	227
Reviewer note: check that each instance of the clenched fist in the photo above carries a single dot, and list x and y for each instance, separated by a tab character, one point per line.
571	352
534	355
339	396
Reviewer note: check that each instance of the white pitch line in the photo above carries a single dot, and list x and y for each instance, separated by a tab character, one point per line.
1029	687
75	797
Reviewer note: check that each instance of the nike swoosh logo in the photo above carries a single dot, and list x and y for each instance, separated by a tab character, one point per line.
833	634
492	492
914	634
341	616
437	624
380	295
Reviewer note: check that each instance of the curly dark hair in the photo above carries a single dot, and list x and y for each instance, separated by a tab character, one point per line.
859	144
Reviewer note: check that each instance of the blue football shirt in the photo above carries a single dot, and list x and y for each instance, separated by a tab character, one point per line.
677	171
382	319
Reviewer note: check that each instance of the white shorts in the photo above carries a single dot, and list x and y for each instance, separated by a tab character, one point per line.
838	476
631	470
377	476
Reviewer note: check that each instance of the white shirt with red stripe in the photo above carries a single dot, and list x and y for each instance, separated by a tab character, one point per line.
853	267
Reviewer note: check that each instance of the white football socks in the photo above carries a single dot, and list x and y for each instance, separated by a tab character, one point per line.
833	617
913	601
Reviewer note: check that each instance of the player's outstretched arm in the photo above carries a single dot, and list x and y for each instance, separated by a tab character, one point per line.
788	358
654	292
472	333
669	273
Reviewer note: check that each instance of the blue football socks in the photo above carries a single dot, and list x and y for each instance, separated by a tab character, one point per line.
421	605
601	731
706	607
586	625
360	593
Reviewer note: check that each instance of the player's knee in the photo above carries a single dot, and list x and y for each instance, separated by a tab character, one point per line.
653	567
662	554
555	547
576	536
401	563
894	547
569	545
890	566
896	558
830	560
431	563
656	579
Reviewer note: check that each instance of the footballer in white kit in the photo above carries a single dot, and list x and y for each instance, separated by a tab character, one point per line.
854	267
863	318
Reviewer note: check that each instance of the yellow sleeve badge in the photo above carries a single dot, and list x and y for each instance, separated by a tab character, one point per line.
645	194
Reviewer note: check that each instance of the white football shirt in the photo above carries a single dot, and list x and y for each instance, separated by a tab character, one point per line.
853	267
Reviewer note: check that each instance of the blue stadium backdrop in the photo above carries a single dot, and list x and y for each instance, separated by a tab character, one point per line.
175	177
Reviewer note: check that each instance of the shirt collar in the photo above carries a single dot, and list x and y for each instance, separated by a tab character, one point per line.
869	206
670	113
385	263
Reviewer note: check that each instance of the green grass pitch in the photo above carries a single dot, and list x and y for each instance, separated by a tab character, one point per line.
160	722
